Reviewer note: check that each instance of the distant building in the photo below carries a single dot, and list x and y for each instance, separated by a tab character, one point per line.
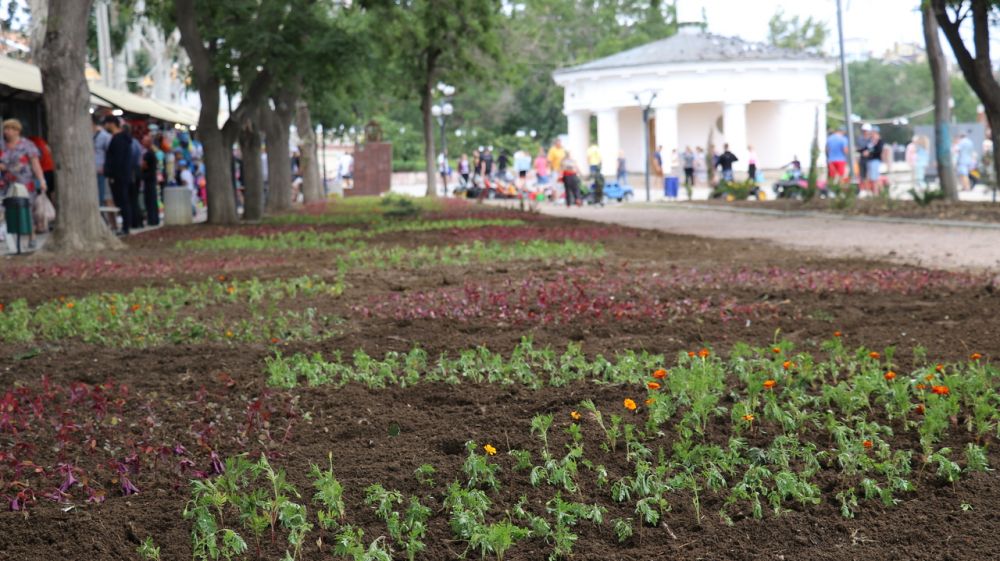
905	53
746	93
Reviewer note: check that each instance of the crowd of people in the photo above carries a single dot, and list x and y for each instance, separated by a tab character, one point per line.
135	162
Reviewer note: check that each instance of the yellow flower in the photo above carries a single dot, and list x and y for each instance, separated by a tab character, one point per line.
490	450
229	334
748	418
629	404
575	415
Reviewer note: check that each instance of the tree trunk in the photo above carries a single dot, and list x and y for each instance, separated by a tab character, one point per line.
253	178
218	155
39	10
67	101
277	122
978	70
312	183
942	111
426	100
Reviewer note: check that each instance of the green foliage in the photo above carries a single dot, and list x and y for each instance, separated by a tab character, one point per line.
407	528
425	475
175	314
148	550
927	197
329	494
912	90
796	34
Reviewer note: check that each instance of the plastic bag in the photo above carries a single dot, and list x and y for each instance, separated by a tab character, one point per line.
43	212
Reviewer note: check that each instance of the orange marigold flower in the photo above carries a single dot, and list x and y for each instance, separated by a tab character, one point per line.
230	289
70	305
653	386
776	350
919	409
650	401
575	415
975	356
928	377
874	355
940	390
490	450
939	368
867	444
769	384
221	278
890	375
135	307
787	364
275	340
703	353
229	333
837	334
629	404
748	417
921	387
660	374
1	307
691	354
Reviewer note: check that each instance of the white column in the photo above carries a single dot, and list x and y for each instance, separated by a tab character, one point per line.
607	140
734	124
579	135
666	135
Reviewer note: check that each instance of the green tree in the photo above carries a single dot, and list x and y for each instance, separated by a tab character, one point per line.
795	33
424	42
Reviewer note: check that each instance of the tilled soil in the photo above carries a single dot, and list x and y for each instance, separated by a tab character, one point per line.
194	382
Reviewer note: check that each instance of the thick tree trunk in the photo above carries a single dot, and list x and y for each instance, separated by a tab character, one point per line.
312	184
218	154
66	100
277	123
430	158
942	111
253	173
39	10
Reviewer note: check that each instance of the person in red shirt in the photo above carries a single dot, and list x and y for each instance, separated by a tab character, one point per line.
48	165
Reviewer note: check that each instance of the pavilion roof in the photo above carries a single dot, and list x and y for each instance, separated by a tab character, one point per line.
691	47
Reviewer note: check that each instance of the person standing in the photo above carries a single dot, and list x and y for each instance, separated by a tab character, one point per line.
594	160
872	155
964	160
48	165
751	165
150	191
464	169
118	168
725	162
556	156
19	163
135	178
866	135
541	167
700	167
486	163
444	170
836	155
687	159
571	180
101	140
622	174
346	170
921	159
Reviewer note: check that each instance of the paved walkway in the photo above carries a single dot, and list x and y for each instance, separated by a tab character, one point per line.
918	243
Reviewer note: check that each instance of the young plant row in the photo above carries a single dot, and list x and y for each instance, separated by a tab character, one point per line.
175	314
311	239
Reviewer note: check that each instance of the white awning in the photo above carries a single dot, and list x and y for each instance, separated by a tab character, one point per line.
27	78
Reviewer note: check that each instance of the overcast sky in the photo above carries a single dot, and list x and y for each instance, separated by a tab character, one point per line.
869	25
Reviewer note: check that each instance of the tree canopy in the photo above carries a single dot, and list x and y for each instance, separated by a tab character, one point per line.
796	33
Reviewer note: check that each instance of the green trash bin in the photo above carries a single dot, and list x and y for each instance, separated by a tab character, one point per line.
17	213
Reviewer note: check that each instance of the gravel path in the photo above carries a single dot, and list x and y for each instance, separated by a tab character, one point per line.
924	244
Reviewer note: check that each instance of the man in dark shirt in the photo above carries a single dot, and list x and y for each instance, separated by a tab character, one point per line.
726	160
149	187
118	168
487	162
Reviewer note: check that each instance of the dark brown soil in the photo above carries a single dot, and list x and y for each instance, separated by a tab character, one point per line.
190	383
938	210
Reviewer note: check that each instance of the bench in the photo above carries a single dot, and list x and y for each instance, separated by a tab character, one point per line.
110	216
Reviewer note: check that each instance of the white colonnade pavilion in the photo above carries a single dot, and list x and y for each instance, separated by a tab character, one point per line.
748	94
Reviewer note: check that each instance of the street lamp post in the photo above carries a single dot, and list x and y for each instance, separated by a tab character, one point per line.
442	110
846	79
646	108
